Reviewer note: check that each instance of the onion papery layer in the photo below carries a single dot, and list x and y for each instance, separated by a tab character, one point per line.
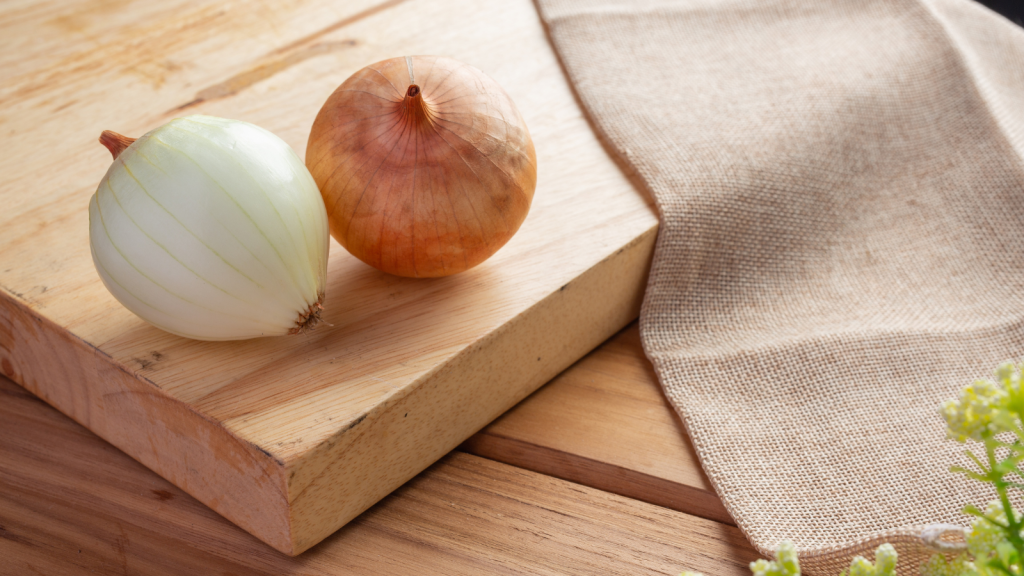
425	165
211	229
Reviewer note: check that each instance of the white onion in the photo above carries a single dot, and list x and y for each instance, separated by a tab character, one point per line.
212	229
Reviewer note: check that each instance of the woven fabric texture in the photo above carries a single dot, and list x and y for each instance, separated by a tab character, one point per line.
841	191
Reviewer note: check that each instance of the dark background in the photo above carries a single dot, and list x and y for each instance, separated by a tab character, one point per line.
1012	9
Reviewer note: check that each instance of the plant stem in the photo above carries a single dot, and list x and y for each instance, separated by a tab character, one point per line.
1012	522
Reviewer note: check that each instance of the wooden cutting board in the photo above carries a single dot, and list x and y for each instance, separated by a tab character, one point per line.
292	437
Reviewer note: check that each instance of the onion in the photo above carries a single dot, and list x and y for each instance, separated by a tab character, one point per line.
425	165
211	229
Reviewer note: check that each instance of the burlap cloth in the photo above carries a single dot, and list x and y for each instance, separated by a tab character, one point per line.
841	190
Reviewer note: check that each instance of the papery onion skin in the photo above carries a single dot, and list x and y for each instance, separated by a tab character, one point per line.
425	165
211	229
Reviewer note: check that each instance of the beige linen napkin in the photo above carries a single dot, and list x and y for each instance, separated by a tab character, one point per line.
841	189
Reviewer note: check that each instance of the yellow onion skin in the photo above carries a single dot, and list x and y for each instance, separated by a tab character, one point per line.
425	165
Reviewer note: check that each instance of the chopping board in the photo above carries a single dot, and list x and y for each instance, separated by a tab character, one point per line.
292	437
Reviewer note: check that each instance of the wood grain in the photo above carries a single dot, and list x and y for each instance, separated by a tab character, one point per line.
71	504
605	423
292	437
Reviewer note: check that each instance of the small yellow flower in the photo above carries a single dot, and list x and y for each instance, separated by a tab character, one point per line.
885	563
959	566
885	560
786	563
981	409
985	536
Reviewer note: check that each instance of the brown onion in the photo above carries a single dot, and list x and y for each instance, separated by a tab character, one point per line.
425	165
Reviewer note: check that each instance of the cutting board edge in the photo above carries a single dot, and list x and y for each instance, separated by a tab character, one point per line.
614	287
35	352
253	488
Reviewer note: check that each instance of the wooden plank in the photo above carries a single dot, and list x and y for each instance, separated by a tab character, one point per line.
71	504
292	437
605	423
70	68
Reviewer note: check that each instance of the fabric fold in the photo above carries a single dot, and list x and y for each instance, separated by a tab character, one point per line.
841	191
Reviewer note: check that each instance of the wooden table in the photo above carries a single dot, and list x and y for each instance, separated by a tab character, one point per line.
592	474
